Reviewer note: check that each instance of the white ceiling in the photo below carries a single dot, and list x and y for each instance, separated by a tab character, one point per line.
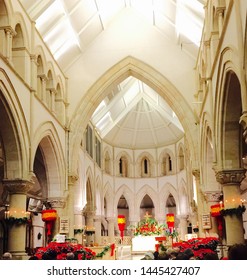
132	115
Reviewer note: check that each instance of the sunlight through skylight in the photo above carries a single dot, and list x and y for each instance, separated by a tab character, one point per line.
188	21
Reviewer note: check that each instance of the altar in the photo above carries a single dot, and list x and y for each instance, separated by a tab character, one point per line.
142	244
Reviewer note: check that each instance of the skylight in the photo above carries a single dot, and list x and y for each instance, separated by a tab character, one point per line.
188	19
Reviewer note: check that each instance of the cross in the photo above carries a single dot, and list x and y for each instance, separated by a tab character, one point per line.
147	216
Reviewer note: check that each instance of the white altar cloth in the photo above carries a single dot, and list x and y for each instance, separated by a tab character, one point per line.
143	243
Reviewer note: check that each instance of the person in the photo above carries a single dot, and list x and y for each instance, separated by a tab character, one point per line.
33	258
189	252
7	256
237	252
70	256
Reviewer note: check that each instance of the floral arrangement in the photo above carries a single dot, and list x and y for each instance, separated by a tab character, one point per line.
199	246
149	227
59	251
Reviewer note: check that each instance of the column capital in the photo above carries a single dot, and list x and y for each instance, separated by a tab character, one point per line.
72	178
111	219
229	177
212	196
196	173
58	202
18	186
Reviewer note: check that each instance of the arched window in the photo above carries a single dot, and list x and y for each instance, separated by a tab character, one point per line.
123	166
145	167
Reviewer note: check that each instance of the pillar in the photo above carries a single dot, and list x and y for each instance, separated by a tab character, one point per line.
200	207
72	181
182	226
97	224
213	197
9	38
58	204
17	190
111	229
90	228
230	181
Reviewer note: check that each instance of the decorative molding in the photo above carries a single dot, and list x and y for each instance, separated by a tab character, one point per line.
212	196
57	202
17	186
230	177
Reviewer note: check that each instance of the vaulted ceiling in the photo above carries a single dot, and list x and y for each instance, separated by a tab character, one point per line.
132	115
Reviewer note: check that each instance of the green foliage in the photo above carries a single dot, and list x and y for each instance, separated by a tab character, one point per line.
233	211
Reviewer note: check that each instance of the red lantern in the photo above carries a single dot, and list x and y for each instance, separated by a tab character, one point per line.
121	224
49	216
170	221
215	209
215	212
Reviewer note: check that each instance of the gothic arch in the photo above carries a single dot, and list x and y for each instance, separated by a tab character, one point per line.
14	131
4	13
90	191
107	195
183	198
228	76
131	66
129	196
207	155
147	190
48	140
164	193
98	196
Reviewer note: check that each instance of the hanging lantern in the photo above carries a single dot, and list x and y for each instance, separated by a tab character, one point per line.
170	221
215	209
215	212
121	224
49	216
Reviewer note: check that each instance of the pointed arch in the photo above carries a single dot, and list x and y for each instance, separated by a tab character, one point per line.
109	199
46	139
14	130
164	193
147	190
129	196
131	66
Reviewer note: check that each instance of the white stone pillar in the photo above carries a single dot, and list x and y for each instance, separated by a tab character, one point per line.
111	229
97	224
230	180
182	226
17	210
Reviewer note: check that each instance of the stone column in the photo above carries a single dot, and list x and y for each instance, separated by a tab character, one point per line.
17	210
200	199
90	228
58	204
33	83
111	229
97	224
230	180
213	197
72	181
182	226
9	38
